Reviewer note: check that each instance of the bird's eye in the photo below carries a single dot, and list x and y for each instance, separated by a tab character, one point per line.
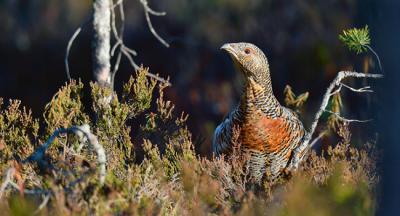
247	51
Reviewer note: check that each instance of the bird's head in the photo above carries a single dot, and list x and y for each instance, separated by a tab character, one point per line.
249	59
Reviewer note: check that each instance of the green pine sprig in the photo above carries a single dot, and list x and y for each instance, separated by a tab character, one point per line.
356	40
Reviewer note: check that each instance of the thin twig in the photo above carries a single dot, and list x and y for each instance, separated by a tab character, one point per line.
119	37
316	139
376	56
70	42
120	45
363	89
43	204
117	3
147	12
345	119
158	78
76	33
129	57
301	151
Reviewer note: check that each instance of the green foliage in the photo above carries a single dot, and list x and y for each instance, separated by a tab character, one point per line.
18	131
355	39
137	93
338	196
341	183
112	131
65	108
170	179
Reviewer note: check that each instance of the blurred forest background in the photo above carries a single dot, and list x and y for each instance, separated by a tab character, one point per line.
300	39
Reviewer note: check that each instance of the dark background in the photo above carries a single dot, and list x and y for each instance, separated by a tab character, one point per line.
300	39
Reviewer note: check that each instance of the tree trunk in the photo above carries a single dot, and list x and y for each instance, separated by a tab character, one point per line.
101	42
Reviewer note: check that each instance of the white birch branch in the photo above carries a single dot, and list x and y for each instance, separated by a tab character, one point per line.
7	180
101	42
84	134
301	151
104	22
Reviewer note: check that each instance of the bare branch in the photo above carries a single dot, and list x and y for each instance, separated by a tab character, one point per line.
147	12
43	204
117	3
155	13
337	90
7	180
129	57
301	151
98	148
316	139
70	42
84	134
159	78
376	55
363	89
345	119
120	45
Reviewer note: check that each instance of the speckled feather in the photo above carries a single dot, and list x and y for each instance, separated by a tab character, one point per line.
269	132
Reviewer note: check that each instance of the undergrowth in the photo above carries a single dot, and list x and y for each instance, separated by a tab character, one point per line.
170	179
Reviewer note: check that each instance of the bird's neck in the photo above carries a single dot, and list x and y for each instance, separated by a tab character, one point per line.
258	95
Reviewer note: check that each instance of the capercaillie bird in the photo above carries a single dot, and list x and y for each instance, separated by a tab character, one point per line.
268	132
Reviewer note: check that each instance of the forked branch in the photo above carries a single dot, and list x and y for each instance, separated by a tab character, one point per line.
336	85
120	49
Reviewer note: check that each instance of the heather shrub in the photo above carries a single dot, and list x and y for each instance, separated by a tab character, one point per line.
168	177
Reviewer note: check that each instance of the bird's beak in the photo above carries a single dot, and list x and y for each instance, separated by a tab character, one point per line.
229	48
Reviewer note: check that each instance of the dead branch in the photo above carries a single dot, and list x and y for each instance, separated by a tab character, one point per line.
346	119
120	45
316	139
376	56
83	132
43	204
70	42
147	12
301	151
7	180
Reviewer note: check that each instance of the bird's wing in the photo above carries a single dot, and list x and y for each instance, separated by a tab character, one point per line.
295	125
223	134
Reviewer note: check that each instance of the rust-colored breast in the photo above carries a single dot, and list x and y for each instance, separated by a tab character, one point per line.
266	134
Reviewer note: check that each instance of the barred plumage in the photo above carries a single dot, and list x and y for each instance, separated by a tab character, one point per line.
268	131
